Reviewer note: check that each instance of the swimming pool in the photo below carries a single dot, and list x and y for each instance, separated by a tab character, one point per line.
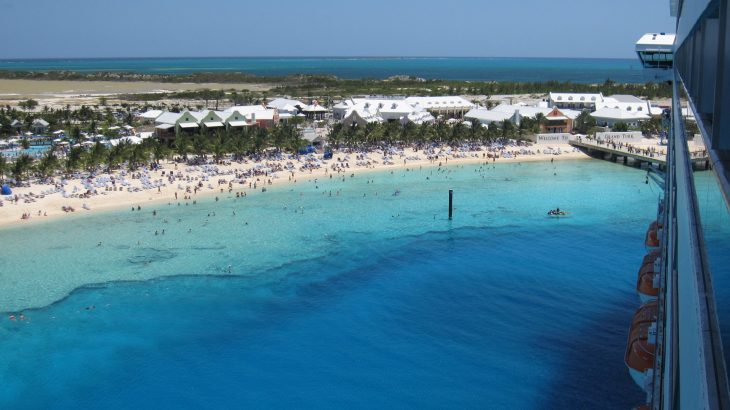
34	151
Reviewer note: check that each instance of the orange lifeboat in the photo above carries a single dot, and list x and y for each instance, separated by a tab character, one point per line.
652	238
641	346
645	284
651	256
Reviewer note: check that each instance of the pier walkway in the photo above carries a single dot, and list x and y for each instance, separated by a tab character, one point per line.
637	155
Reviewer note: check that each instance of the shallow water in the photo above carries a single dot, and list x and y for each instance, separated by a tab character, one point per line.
357	300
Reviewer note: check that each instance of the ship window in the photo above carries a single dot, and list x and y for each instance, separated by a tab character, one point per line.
628	108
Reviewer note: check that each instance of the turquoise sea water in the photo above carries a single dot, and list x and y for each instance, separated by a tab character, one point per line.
473	69
362	300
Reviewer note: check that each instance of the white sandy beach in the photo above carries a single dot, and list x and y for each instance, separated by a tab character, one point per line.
130	188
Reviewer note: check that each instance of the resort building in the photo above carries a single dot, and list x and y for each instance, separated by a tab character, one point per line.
515	113
287	108
39	126
449	106
363	111
17	126
315	111
556	122
609	117
487	117
168	124
625	102
394	108
575	101
148	117
257	115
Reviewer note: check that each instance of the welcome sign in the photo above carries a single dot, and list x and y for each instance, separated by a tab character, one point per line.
630	136
552	138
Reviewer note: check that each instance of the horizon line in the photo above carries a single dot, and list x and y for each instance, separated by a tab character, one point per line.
304	57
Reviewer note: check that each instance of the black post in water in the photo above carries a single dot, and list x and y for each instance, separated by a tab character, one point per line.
451	203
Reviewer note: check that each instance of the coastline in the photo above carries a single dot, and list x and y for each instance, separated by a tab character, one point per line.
50	206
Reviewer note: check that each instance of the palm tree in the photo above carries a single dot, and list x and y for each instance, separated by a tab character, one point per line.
182	145
137	156
96	156
23	164
239	144
539	118
115	155
158	149
4	166
73	159
48	164
218	145
200	146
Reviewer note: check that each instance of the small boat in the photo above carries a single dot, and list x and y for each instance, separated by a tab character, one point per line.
557	213
641	345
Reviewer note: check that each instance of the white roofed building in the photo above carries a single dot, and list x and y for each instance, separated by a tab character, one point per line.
575	101
257	115
448	106
609	117
39	126
287	108
405	110
168	124
149	116
487	117
625	102
315	111
515	113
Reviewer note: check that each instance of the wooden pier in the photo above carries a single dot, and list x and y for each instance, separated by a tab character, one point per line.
700	160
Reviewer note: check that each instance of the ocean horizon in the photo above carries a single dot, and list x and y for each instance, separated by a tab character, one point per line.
504	69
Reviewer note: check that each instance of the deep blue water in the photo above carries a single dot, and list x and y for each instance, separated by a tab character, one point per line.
368	302
472	69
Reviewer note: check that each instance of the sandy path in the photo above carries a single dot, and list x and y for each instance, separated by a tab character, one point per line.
18	89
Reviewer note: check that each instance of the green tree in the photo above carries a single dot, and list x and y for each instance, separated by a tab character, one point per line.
29	104
158	149
200	146
96	156
584	123
4	166
182	145
22	166
620	127
539	119
74	159
116	155
218	145
48	164
137	156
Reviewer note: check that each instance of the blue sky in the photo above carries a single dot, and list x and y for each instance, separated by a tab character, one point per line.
171	28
